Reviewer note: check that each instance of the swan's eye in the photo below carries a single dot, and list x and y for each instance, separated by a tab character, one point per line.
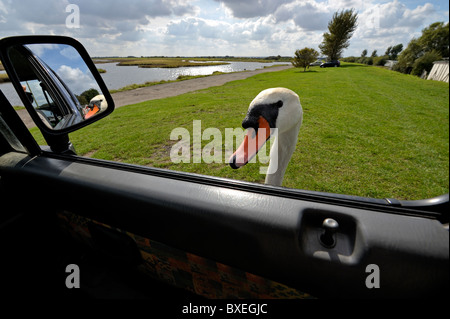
279	104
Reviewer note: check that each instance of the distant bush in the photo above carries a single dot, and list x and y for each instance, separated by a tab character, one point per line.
350	59
402	67
425	63
365	60
380	60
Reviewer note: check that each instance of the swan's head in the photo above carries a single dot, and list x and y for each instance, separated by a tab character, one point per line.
100	101
278	108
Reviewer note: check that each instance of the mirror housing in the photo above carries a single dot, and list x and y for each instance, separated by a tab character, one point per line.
57	82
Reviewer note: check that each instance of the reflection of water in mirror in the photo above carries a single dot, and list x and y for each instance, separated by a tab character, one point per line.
117	77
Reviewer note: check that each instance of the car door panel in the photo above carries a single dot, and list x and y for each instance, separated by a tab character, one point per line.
199	275
260	233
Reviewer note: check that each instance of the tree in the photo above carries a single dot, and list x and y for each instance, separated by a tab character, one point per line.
408	56
86	96
304	57
374	54
393	51
434	38
341	29
364	53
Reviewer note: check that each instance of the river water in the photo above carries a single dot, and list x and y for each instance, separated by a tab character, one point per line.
117	77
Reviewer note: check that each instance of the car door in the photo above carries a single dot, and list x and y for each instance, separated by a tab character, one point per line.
70	222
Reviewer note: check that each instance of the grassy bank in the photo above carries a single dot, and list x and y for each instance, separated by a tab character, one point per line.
172	62
366	131
4	78
159	62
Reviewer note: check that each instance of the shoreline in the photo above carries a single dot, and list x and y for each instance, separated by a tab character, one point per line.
165	90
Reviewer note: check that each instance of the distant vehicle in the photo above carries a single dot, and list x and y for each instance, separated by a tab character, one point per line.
316	63
331	64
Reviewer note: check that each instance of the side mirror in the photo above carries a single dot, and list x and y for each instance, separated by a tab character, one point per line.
57	82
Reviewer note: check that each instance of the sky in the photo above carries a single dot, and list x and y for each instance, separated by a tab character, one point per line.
217	27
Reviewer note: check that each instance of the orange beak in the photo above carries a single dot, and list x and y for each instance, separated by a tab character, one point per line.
252	143
92	112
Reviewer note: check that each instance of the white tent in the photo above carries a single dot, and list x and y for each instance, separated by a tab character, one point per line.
390	64
439	72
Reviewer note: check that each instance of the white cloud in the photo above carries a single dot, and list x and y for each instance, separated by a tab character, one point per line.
383	25
70	53
219	27
97	17
211	37
137	10
252	8
308	15
76	80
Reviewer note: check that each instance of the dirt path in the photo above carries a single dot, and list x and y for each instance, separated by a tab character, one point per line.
161	91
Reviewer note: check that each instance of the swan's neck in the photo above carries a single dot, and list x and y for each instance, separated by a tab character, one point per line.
281	152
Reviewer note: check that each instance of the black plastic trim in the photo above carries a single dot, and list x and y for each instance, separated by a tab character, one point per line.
407	208
17	126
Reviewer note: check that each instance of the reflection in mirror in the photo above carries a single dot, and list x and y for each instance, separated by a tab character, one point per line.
57	83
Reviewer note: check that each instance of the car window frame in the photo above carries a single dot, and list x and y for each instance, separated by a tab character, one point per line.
18	127
421	208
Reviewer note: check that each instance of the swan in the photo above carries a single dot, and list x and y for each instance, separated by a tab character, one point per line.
96	105
273	110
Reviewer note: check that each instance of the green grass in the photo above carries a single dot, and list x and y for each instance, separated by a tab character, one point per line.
366	131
